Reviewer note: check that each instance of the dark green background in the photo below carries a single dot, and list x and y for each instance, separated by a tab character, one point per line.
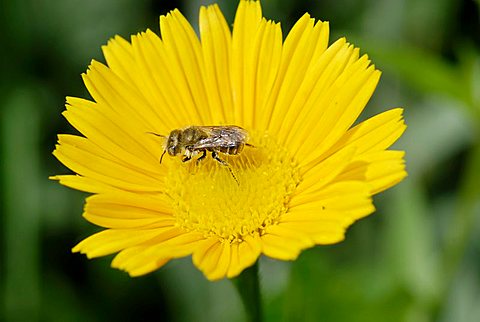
416	259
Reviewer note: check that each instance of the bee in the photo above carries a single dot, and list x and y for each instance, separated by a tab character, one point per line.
194	140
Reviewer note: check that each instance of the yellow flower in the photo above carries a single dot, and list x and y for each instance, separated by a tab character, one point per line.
309	175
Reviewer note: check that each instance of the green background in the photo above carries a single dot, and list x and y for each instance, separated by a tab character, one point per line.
416	259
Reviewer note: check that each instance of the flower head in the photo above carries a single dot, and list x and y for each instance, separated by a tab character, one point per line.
305	174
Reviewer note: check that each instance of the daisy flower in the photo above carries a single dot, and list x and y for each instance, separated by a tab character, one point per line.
305	174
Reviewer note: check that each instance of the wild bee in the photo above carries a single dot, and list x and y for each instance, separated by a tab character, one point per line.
194	140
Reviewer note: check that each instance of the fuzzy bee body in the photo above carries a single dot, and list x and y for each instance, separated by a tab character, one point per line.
224	139
193	140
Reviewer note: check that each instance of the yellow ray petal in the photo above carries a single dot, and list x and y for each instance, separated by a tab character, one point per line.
303	47
267	65
107	88
219	269
130	205
245	26
316	177
297	51
138	263
184	51
216	47
149	267
244	254
93	120
280	248
343	105
351	198
163	82
381	169
316	82
199	256
109	138
83	184
128	210
375	134
112	240
387	169
323	216
283	231
320	231
210	259
262	54
316	85
233	268
119	56
128	223
87	161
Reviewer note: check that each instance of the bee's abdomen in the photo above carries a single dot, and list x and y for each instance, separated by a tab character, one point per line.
231	149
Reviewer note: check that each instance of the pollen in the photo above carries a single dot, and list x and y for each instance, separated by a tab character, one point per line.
206	198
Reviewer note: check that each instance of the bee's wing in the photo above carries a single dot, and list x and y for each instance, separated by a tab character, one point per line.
221	136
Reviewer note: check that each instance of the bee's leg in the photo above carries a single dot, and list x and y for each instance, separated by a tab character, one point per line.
215	156
188	155
202	156
225	163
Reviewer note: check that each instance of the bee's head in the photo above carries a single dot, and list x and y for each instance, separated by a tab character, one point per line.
173	147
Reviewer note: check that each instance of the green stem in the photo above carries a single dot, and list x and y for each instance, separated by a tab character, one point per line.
248	287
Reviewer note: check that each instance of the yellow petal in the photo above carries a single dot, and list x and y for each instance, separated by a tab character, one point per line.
245	26
343	104
83	184
112	240
87	160
216	48
163	83
184	52
138	263
148	267
262	59
207	256
280	248
127	210
323	216
320	231
199	256
381	169
321	174
244	254
375	134
218	270
119	56
303	47
111	139
108	89
351	198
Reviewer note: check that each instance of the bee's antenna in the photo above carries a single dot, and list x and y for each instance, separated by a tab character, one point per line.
156	134
162	156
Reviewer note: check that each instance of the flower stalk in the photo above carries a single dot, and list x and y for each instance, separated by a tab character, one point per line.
248	287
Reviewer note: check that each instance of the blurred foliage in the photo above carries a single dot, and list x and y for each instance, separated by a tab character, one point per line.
416	259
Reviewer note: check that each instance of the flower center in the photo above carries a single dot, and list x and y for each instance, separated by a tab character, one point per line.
207	198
